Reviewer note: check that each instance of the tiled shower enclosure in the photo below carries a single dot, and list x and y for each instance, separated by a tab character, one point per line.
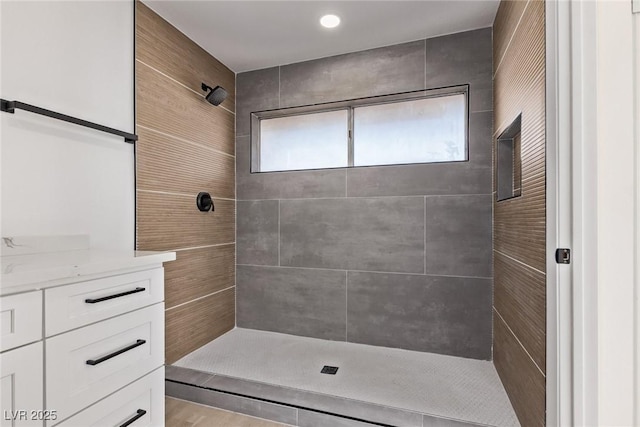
395	256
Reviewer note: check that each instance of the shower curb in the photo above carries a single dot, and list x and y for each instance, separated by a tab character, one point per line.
291	406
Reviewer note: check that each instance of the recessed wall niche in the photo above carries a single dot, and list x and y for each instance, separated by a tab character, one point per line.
508	162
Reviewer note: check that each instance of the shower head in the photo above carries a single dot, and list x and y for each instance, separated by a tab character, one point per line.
217	94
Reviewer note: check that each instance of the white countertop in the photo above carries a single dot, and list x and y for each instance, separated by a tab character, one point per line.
21	273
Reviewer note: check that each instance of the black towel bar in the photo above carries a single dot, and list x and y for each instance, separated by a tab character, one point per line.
11	106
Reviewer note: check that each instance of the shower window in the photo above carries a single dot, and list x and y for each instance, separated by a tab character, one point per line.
308	141
426	126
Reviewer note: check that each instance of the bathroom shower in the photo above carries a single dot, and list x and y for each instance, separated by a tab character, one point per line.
216	94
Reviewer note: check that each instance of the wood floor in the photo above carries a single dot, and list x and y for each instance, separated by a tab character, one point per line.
179	413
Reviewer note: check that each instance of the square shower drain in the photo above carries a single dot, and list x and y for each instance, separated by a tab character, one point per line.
331	370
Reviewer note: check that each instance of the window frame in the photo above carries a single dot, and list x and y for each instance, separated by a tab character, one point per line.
349	105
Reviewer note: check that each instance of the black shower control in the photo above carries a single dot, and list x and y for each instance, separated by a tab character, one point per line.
204	202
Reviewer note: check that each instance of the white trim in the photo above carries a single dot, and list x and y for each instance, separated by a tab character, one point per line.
584	203
636	48
596	375
558	166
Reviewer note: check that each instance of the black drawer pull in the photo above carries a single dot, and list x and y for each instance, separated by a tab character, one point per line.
93	301
139	414
115	353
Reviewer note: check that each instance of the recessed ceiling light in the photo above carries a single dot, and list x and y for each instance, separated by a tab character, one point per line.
330	21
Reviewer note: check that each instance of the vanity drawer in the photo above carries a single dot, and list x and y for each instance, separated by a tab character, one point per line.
21	397
72	306
142	400
20	319
87	364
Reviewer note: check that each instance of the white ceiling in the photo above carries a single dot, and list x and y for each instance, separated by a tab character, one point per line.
249	35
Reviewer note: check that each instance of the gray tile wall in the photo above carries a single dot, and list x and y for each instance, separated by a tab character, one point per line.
398	256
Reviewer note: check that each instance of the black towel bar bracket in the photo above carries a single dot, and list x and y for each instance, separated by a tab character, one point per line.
11	106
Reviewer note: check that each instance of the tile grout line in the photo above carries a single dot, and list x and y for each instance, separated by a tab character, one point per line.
346	306
364	271
171	193
519	342
425	235
180	83
369	197
519	262
515	30
425	63
346	184
279	102
199	298
179	138
235	194
215	245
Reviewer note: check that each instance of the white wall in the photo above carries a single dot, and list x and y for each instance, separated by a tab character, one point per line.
616	212
636	31
75	58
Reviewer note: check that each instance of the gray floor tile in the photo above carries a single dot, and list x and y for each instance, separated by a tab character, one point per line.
440	386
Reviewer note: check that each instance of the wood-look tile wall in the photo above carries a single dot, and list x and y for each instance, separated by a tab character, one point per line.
186	146
519	342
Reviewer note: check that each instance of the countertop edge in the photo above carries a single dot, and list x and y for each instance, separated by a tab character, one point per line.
53	275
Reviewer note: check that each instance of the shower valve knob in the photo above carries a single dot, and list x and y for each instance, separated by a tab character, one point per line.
204	202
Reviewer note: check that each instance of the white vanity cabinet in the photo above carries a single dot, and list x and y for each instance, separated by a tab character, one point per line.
21	360
90	345
21	386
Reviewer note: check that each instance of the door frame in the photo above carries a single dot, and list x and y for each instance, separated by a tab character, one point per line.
572	315
593	315
559	390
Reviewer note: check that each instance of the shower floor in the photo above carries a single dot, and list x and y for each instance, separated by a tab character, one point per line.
449	387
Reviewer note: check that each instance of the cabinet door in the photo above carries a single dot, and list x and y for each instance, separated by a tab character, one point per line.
90	363
140	404
21	387
20	319
71	306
